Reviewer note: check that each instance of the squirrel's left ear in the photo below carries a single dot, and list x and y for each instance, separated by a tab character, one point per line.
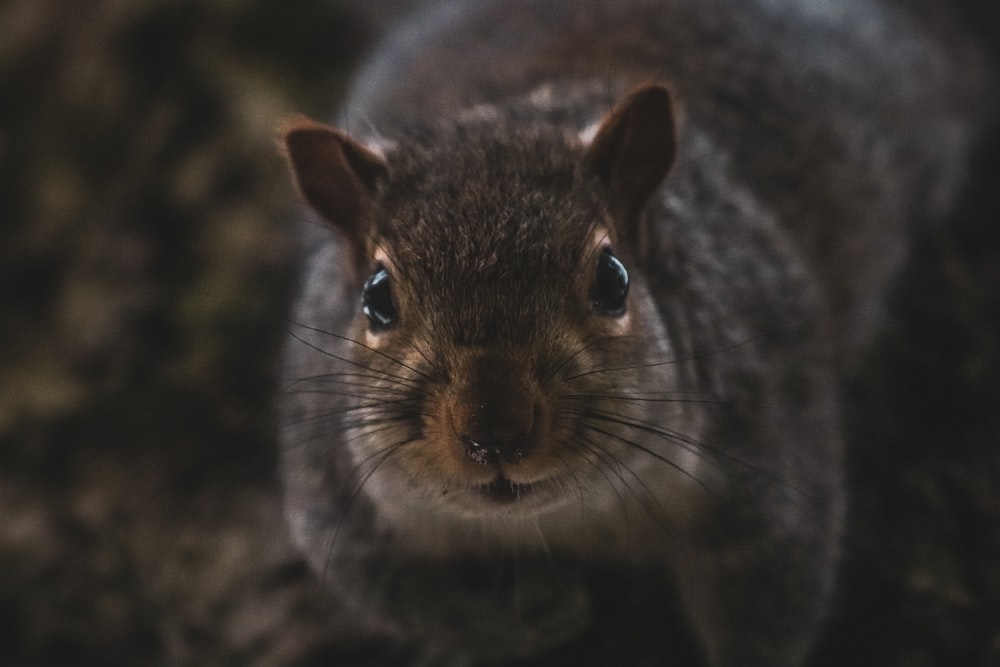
338	177
632	152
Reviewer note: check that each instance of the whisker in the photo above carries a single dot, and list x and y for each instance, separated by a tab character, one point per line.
570	357
697	448
373	421
668	362
602	456
566	468
650	452
664	397
345	394
620	466
352	497
347	339
350	379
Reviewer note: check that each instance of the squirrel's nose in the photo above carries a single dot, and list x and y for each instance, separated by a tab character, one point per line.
499	432
494	414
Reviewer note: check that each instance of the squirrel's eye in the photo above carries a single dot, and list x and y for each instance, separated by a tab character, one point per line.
376	300
611	286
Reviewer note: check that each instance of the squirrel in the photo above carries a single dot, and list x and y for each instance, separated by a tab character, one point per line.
588	285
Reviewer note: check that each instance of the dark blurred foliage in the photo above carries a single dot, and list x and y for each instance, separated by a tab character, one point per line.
143	242
921	582
146	252
146	259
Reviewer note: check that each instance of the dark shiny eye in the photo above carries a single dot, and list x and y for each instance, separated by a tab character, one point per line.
611	286
376	300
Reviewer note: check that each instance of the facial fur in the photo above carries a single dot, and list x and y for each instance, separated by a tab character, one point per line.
502	402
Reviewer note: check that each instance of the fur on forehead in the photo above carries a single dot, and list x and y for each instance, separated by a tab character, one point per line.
484	195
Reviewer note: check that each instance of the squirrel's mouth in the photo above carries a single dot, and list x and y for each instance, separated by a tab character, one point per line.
504	491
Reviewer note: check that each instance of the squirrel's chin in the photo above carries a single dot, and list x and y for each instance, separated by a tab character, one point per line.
503	492
503	497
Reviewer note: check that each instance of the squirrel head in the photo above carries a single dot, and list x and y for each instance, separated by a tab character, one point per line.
491	256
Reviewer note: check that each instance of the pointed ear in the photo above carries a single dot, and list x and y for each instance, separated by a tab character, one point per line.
632	152
336	175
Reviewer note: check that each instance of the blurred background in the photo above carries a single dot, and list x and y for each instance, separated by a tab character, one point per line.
146	261
146	248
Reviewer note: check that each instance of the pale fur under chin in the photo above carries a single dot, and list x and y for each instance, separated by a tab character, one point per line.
616	518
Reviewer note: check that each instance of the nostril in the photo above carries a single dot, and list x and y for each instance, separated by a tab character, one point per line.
493	451
478	452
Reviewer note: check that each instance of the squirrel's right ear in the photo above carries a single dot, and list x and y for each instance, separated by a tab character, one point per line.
633	150
335	174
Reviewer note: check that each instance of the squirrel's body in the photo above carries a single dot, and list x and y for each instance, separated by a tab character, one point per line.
559	327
